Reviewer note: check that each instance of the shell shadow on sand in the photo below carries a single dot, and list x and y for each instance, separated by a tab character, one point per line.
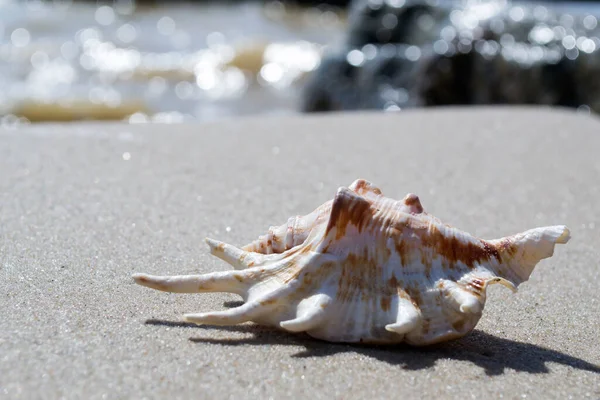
493	354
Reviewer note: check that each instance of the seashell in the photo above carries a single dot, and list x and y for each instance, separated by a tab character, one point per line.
366	268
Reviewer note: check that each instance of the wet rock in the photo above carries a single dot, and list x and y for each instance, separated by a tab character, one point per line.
397	21
382	77
410	53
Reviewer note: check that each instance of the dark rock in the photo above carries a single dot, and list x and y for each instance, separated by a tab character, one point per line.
430	55
380	22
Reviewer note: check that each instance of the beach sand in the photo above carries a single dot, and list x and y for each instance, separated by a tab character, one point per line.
84	206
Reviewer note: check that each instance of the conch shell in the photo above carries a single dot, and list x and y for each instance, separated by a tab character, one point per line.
366	268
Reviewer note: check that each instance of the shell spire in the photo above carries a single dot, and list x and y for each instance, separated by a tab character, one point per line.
366	268
293	233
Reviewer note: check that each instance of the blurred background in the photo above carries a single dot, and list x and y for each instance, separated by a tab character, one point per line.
169	62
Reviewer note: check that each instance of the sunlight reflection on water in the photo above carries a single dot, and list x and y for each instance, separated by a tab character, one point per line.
62	61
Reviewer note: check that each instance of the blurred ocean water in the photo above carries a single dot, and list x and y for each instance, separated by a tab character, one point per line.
62	60
65	60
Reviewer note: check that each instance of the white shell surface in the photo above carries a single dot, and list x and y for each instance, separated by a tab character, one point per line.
366	268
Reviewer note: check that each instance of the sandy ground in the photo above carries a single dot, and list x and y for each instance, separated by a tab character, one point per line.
84	206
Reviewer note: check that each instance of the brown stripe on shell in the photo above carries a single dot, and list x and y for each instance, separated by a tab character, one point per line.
393	282
292	267
403	251
385	303
455	250
360	277
426	261
506	246
348	209
414	293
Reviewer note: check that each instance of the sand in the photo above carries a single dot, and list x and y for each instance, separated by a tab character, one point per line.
83	206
